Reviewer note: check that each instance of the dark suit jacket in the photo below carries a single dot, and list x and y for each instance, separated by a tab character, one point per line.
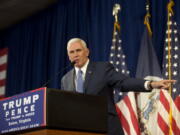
101	78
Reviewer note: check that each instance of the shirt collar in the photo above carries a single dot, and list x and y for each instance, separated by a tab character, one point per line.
84	68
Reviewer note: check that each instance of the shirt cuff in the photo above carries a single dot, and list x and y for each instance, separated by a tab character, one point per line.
146	85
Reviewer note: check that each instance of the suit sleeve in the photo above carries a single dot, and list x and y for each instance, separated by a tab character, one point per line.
124	83
62	84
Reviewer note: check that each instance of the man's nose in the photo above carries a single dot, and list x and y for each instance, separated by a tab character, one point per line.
76	53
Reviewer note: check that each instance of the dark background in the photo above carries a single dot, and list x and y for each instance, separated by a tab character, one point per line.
37	44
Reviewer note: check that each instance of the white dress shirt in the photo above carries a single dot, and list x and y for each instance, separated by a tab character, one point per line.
83	69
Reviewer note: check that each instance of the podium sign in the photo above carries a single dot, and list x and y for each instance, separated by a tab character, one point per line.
23	111
53	109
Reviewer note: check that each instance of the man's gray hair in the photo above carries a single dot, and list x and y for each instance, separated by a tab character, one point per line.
73	40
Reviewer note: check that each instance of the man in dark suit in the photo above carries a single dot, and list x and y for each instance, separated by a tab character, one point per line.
100	78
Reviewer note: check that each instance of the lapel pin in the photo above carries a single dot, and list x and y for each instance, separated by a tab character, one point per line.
90	72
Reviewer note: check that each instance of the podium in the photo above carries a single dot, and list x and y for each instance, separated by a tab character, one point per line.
59	132
46	111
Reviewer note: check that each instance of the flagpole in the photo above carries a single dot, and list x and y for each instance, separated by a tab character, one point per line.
170	13
146	19
116	10
139	111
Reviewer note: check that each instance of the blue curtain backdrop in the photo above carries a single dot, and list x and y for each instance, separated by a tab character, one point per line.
37	46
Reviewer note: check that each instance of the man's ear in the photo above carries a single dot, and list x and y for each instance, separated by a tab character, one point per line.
87	50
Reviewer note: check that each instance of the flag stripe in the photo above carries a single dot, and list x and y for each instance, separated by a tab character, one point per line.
3	67
164	101
175	127
177	102
3	75
164	96
159	131
3	70
127	113
132	114
163	126
2	91
2	82
123	120
3	51
3	59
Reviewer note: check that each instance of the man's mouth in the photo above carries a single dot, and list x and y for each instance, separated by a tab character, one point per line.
76	61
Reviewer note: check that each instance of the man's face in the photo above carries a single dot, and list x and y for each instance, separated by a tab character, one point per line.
78	53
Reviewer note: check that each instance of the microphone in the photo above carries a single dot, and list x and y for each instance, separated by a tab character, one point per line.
57	74
72	63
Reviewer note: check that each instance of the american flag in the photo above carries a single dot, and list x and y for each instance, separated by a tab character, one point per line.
125	102
3	69
169	114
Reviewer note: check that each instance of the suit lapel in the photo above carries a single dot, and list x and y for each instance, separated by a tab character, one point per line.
89	73
71	79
